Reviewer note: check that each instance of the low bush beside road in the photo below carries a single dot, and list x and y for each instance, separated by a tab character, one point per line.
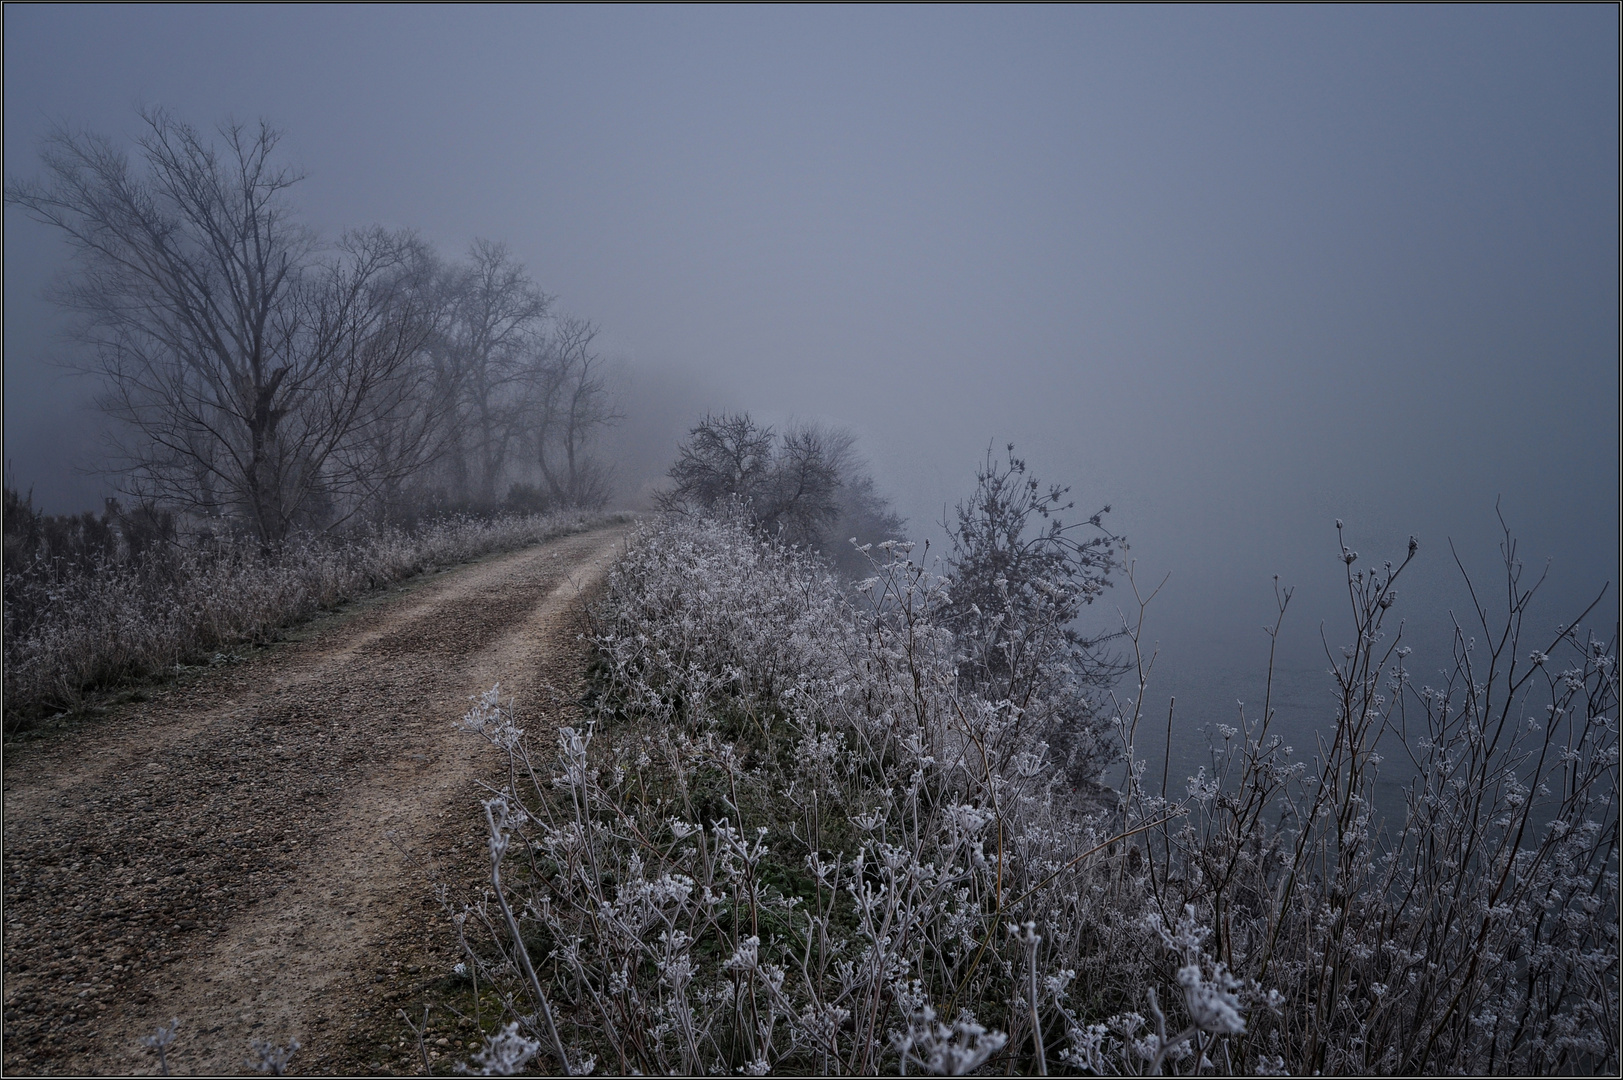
786	834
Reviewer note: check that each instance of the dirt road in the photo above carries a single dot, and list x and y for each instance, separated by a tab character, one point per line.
252	852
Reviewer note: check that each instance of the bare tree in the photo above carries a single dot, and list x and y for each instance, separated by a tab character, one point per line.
403	425
726	456
809	485
570	403
498	321
252	371
1020	577
810	468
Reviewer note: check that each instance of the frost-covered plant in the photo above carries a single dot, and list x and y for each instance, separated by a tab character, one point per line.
69	630
787	835
504	1053
160	1041
806	834
1020	575
270	1058
1475	933
955	1049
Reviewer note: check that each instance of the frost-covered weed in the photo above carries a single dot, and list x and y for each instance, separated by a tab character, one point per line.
271	1058
1020	576
68	631
160	1041
1475	933
945	1050
800	840
504	1053
806	837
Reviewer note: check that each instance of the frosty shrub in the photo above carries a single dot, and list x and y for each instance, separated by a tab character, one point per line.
160	1041
1477	932
807	485
1020	575
271	1058
72	626
786	834
803	843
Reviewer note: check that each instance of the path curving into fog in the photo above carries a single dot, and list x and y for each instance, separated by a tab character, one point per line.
253	853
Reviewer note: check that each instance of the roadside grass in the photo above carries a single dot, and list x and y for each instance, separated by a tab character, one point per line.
80	641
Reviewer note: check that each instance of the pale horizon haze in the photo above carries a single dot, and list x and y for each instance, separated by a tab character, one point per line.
1235	271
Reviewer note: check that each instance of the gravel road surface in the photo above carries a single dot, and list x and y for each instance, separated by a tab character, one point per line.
253	850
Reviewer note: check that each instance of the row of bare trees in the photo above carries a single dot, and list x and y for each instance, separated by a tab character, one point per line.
524	383
274	382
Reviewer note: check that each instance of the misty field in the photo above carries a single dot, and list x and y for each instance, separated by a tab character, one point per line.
753	754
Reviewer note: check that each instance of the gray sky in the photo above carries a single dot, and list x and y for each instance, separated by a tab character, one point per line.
1237	272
